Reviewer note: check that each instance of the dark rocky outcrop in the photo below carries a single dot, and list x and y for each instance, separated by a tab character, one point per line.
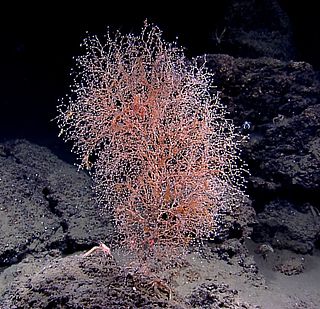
254	29
45	204
277	104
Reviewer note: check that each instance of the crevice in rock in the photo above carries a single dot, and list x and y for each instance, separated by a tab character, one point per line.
11	257
294	194
52	202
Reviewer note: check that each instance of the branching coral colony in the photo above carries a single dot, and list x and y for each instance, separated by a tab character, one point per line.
162	154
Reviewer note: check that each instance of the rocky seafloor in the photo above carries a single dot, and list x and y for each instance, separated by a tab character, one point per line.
269	258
